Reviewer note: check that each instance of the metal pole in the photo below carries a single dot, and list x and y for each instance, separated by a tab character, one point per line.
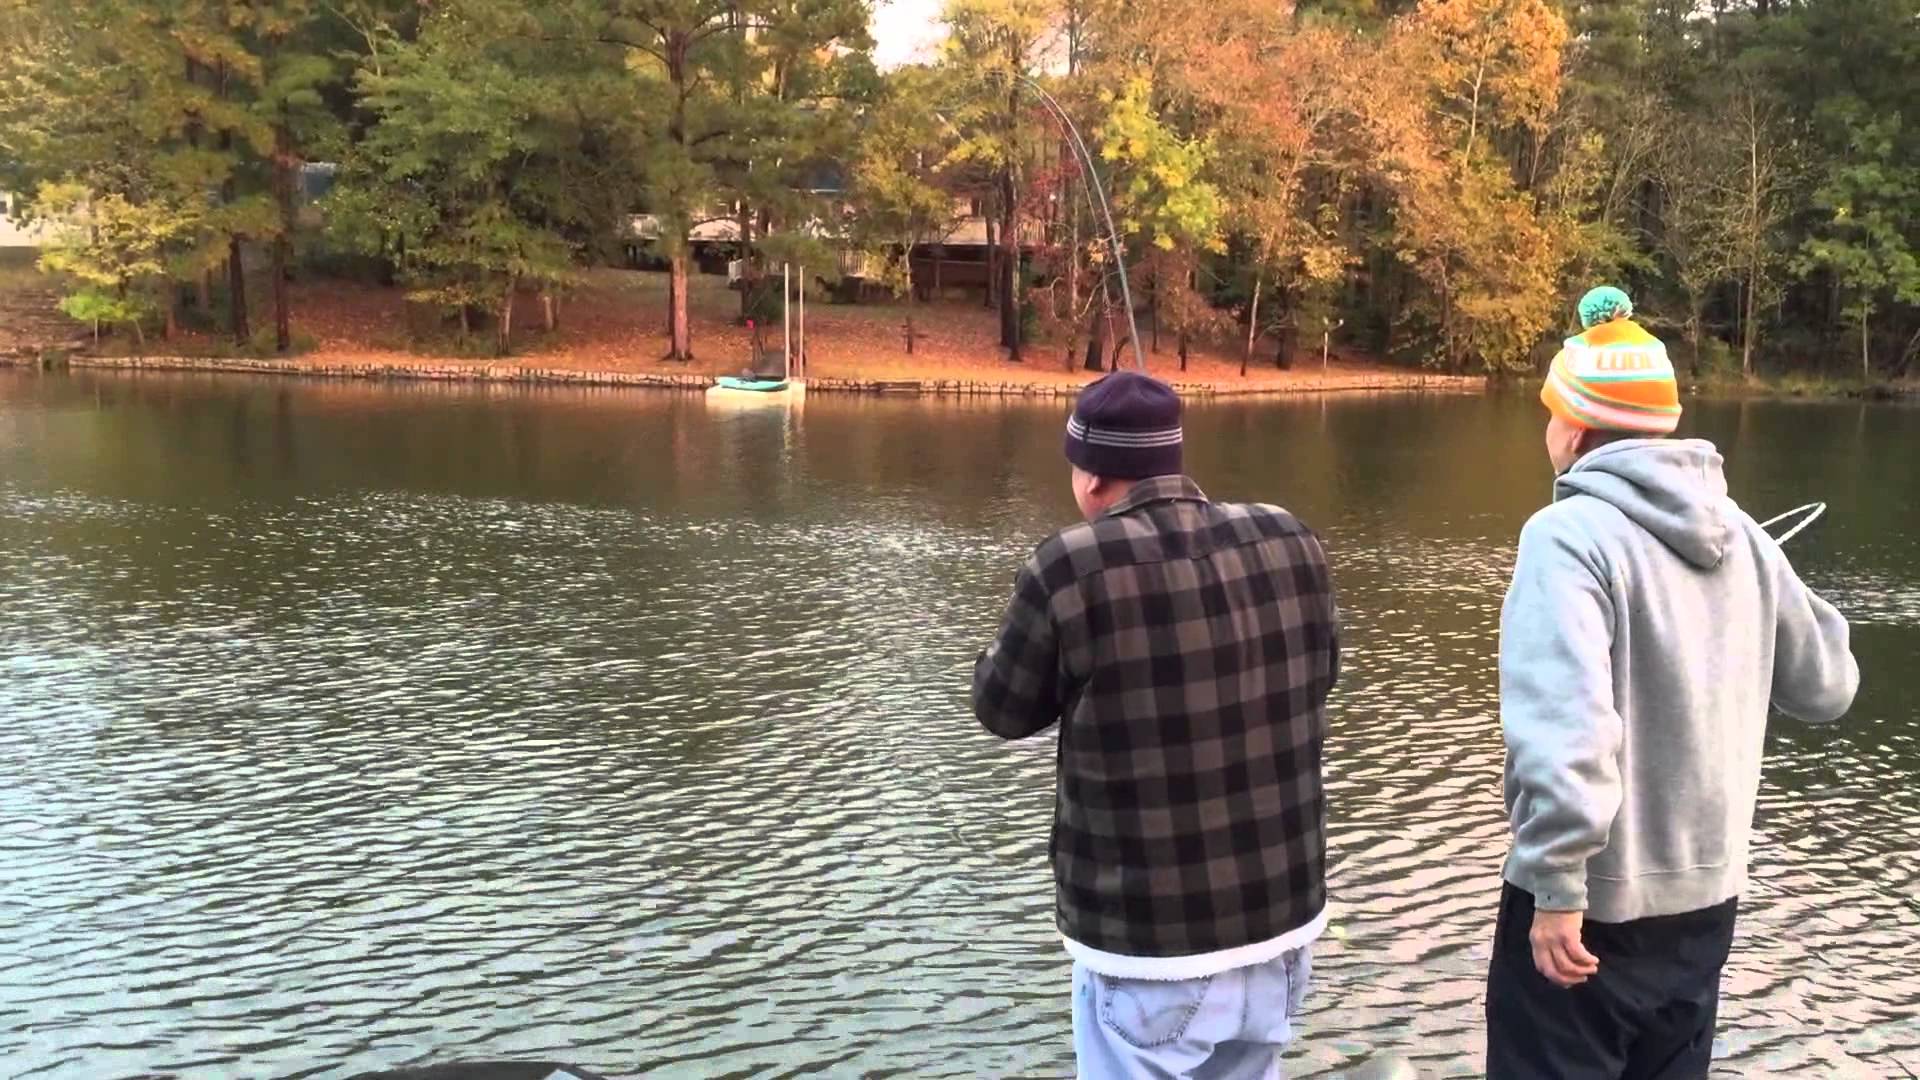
786	323
803	321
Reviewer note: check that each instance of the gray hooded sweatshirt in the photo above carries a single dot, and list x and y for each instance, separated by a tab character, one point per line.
1650	623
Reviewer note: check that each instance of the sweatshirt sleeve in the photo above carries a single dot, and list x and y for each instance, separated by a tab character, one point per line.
1557	713
1016	680
1814	673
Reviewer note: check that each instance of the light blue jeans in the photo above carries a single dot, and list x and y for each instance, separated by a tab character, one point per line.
1230	1026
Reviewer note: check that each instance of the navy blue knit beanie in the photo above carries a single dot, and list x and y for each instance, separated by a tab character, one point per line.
1126	426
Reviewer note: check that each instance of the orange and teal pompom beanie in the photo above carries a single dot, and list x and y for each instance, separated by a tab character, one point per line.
1614	376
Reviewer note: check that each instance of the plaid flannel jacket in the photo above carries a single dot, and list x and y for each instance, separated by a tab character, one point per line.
1187	649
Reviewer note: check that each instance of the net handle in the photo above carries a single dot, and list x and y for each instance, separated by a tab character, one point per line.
1813	511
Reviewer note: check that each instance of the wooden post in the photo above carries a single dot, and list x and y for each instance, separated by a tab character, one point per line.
803	321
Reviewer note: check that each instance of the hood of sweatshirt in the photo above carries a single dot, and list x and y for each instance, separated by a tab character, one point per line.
1675	489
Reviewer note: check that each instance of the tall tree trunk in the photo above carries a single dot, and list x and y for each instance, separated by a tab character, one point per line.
1097	339
171	327
681	347
1009	267
1696	317
237	293
284	164
504	344
993	262
195	129
236	266
1866	355
549	310
748	278
1073	265
1193	283
1253	323
1285	331
676	45
1747	323
1153	309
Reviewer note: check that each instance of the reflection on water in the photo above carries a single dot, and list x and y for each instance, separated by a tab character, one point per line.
355	726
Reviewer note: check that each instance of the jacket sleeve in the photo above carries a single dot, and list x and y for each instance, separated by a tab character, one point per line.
1814	673
1016	680
1324	573
1563	732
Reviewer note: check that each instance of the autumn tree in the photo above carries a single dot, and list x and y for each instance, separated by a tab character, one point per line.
994	46
1163	197
1480	73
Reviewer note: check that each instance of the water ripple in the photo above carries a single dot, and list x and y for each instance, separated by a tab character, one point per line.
348	771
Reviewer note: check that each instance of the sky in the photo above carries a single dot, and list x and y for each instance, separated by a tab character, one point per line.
905	31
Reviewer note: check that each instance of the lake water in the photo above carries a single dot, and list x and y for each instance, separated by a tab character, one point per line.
351	726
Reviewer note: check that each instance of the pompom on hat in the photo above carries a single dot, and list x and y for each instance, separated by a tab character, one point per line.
1615	376
1126	426
1603	304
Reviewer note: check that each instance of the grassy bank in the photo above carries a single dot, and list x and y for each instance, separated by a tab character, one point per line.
1802	386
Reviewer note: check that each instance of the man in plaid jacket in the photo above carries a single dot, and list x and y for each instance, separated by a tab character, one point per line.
1186	648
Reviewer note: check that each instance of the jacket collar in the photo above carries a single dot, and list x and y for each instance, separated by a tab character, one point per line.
1157	489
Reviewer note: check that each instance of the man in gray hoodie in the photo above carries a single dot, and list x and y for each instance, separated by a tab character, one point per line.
1650	624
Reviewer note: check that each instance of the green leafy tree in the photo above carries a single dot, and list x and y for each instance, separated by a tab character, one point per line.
470	178
745	95
1866	239
994	46
161	100
117	251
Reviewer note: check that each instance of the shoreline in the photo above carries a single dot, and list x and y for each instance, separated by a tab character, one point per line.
496	373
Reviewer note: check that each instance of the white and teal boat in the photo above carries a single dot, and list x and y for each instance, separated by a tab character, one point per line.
759	384
755	385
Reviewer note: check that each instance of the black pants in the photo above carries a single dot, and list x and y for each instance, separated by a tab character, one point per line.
1648	1014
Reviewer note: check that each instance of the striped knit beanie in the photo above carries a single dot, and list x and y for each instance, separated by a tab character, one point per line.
1126	426
1614	377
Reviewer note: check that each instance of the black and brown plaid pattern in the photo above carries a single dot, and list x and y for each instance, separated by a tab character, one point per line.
1187	649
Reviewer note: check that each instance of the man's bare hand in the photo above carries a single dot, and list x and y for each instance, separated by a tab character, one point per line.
1557	949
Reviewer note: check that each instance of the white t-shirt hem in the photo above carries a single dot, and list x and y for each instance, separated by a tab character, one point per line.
1198	965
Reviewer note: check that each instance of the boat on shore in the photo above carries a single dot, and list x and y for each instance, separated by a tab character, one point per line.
757	388
764	383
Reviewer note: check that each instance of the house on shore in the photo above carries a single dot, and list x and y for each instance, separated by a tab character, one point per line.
15	233
958	261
